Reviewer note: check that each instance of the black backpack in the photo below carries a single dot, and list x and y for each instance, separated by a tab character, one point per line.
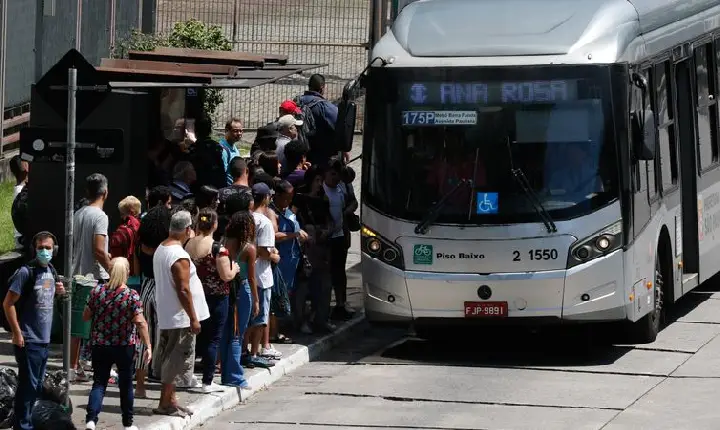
309	128
26	289
19	211
207	159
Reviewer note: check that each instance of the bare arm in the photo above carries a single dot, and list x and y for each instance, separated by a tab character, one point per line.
87	314
142	327
282	237
9	307
264	253
181	277
226	270
251	256
101	256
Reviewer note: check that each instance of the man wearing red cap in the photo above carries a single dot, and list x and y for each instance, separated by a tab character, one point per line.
289	107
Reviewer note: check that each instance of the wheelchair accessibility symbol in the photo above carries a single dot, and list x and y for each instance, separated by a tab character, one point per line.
487	203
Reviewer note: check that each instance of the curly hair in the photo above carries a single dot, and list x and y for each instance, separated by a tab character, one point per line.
155	226
241	228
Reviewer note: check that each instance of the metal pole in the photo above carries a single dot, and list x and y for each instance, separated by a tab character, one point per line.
3	62
112	25
78	24
69	198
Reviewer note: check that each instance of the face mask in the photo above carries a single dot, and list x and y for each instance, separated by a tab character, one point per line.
44	256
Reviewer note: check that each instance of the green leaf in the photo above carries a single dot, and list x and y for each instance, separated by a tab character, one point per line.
191	34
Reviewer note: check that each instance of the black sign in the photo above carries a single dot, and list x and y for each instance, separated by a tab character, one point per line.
490	93
49	145
52	87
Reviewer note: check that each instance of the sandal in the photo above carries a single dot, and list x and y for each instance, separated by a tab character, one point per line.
282	339
170	411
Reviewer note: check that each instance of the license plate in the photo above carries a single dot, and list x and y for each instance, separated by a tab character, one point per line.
486	309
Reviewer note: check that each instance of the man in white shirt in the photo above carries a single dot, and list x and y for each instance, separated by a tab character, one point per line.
287	127
180	306
259	332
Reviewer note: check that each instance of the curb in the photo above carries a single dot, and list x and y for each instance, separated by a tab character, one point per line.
211	405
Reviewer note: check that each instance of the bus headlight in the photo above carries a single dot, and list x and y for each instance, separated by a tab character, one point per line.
380	248
599	244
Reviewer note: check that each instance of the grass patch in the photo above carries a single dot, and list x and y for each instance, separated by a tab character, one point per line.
7	236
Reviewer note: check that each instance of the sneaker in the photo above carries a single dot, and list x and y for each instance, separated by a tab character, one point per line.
340	313
211	388
85	365
90	425
77	375
193	383
325	328
305	329
132	428
258	361
271	353
246	361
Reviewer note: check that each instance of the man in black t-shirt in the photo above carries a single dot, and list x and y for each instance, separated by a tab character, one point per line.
239	172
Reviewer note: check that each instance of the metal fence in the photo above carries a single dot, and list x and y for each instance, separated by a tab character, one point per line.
333	32
40	32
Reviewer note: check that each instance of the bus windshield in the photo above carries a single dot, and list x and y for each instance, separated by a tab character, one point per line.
430	129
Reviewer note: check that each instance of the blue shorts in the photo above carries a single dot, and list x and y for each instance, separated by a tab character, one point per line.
263	316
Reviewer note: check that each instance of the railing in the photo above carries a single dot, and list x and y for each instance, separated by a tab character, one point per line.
11	131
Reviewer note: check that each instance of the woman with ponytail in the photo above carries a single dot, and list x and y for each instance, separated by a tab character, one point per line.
215	269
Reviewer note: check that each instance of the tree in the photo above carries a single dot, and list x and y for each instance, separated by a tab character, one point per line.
192	34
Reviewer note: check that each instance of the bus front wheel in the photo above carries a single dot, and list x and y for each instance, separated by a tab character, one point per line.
647	328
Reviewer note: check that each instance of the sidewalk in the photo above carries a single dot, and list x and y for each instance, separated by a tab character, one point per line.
205	406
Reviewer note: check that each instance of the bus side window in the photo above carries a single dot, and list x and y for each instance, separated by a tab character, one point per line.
640	168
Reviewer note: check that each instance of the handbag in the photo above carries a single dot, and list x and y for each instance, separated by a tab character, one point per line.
279	300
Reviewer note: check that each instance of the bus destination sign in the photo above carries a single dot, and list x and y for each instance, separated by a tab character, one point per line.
491	93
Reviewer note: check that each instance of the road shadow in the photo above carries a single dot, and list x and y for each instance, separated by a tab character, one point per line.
546	346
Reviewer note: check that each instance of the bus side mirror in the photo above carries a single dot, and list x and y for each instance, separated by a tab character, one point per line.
345	125
643	129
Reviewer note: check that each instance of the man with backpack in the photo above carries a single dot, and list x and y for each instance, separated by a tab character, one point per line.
319	116
28	315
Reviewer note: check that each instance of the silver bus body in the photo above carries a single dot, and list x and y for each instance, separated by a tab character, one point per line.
467	257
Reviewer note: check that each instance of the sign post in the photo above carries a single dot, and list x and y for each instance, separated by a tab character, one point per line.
69	199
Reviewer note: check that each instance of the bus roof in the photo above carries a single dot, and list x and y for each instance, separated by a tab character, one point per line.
496	28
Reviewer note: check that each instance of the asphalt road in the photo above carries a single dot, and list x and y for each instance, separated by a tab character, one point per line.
505	379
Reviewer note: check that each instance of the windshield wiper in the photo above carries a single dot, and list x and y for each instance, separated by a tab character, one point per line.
434	211
524	184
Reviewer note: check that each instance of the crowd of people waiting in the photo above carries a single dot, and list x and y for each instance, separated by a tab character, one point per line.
231	255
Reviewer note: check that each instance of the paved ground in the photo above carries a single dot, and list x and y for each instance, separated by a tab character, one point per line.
503	379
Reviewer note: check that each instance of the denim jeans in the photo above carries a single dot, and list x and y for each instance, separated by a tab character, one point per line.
231	343
210	333
103	357
31	360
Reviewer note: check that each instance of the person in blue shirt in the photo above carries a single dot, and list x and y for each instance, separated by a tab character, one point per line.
325	114
28	308
233	134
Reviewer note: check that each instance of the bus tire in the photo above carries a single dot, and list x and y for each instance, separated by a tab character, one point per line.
647	328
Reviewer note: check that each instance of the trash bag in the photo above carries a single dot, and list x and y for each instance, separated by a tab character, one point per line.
48	415
56	388
8	388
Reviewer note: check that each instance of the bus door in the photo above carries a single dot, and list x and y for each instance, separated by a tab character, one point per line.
688	168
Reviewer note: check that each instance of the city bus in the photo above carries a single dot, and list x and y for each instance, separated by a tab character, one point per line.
547	161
